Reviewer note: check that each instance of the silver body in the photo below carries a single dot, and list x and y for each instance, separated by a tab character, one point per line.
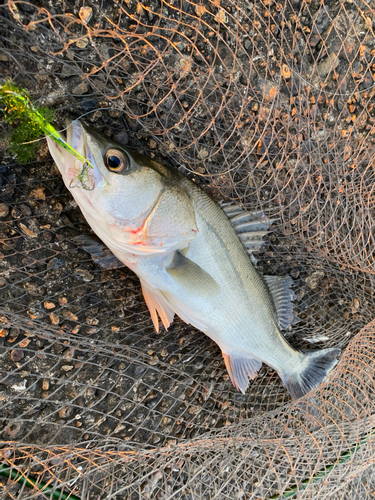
151	214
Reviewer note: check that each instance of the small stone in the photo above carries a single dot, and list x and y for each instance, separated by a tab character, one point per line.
45	384
95	116
16	355
92	321
68	70
87	105
203	153
66	412
3	58
69	353
115	113
25	209
63	301
12	429
55	320
4	210
70	316
24	343
152	144
314	279
13	335
55	97
67	368
85	13
122	138
38	193
27	231
81	44
83	274
81	88
58	207
49	305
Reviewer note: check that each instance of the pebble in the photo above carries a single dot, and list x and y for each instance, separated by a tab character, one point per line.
55	320
25	209
85	13
24	343
70	316
12	429
203	153
45	384
87	105
67	70
49	305
4	210
55	97
27	231
16	355
67	368
81	44
314	279
83	274
38	193
122	137
81	88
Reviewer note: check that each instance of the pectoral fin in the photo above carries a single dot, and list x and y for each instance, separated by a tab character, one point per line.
99	252
240	369
191	276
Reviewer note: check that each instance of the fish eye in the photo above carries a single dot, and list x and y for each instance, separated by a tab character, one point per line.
116	160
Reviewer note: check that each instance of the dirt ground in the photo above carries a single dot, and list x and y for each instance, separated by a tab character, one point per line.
80	360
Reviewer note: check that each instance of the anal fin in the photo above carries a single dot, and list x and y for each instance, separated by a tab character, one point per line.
240	369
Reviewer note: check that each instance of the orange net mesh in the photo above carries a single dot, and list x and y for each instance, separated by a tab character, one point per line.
268	104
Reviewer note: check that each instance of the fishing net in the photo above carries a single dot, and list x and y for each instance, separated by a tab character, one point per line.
266	104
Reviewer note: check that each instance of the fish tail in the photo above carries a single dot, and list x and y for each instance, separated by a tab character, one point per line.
315	367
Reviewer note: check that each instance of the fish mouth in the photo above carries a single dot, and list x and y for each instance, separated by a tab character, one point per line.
76	173
85	175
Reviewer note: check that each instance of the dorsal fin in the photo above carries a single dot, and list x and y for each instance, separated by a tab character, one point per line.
280	288
250	226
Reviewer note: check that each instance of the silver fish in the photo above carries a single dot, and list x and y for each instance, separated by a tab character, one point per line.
190	256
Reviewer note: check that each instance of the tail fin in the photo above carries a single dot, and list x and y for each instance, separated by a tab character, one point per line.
315	367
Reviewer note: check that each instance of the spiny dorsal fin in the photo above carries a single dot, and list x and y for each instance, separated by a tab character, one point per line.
280	288
250	226
191	276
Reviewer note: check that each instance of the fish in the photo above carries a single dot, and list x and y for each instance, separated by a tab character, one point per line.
191	256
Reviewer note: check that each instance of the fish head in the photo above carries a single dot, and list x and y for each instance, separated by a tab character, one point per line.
126	197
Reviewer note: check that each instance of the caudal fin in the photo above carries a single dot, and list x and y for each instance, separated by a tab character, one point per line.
315	367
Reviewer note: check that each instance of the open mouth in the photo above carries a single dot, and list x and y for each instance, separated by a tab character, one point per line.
84	175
